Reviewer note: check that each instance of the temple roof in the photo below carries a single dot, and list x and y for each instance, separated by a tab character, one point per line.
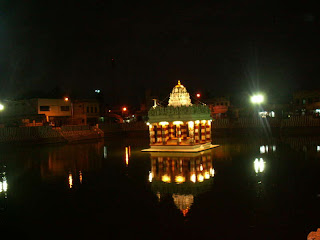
179	96
179	108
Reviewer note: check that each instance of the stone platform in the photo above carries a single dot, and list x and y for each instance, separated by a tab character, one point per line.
180	148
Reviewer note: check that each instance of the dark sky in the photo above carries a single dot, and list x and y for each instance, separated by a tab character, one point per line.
221	47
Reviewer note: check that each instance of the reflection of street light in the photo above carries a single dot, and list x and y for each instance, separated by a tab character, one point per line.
257	99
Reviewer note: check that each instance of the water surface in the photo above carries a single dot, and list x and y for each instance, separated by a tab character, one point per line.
246	188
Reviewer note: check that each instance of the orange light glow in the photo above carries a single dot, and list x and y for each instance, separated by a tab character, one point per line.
70	180
166	178
198	95
180	179
124	109
127	156
66	99
80	176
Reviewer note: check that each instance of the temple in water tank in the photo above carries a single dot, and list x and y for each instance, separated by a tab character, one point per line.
181	126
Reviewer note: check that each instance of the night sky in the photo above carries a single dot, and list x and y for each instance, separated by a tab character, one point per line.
215	47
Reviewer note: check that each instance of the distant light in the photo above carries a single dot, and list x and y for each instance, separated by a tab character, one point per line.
1	107
97	91
257	98
259	165
166	178
163	123
180	179
150	176
109	111
198	95
124	109
193	178
66	99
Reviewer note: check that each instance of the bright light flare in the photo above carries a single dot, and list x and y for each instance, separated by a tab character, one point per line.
1	107
259	98
124	109
198	95
259	165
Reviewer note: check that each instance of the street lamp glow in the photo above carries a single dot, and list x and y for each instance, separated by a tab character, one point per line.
257	98
1	107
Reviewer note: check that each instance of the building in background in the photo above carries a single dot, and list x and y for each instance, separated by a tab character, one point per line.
36	112
86	111
306	102
219	106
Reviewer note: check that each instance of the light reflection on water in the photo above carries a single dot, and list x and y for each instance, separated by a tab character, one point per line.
181	175
94	180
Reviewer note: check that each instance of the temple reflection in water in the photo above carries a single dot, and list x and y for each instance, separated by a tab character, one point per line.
181	175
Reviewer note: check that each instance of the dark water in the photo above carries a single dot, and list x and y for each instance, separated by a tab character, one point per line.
111	190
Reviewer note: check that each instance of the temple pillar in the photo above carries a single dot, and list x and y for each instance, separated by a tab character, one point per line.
159	134
165	134
178	134
152	134
196	133
203	132
191	131
171	131
208	131
183	131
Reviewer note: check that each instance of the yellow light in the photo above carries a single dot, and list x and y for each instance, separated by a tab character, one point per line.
148	123
166	178
127	155
163	123
191	124
124	109
177	122
150	176
197	122
200	178
180	179
203	121
206	175
1	107
201	167
66	99
70	180
193	178
211	172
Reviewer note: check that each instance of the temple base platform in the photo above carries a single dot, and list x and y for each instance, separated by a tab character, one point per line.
180	148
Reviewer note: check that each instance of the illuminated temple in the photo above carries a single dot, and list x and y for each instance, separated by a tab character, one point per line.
181	126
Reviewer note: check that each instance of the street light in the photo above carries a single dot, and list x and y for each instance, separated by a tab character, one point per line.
257	99
198	95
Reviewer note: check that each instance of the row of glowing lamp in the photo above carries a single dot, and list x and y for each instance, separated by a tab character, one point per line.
190	123
181	179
